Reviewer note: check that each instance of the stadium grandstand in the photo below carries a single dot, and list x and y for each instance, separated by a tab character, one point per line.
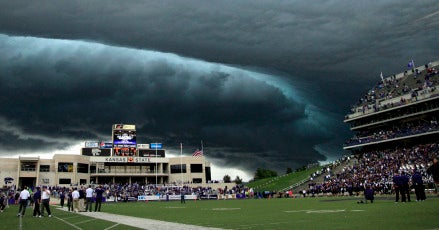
396	131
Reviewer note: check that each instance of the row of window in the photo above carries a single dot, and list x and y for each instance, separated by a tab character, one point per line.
62	167
195	168
83	168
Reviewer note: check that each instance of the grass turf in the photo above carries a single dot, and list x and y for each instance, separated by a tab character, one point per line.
282	213
307	213
59	220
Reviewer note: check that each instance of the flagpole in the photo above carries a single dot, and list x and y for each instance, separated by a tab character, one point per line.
181	163
382	78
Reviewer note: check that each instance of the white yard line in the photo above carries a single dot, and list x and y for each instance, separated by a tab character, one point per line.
141	223
68	223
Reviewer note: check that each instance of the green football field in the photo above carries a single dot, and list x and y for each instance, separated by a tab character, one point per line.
299	213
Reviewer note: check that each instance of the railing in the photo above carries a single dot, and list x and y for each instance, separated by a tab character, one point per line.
27	169
394	103
129	172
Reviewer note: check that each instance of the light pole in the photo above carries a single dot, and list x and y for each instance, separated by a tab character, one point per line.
156	146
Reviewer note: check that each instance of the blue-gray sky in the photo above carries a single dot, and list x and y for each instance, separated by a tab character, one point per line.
262	83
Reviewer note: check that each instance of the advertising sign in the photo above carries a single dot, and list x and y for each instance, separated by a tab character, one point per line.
95	152
142	146
155	145
105	145
151	153
120	159
92	144
124	127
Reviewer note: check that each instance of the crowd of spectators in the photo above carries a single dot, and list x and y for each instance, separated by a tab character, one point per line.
376	169
403	130
421	82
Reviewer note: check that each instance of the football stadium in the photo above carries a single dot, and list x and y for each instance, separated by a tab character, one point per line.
385	182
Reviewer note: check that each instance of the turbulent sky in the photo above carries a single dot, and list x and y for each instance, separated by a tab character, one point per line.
262	83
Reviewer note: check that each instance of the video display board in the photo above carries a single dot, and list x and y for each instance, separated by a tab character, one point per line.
124	137
124	151
124	140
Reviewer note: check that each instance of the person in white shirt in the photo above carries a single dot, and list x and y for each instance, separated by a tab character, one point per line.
24	195
89	198
45	199
75	197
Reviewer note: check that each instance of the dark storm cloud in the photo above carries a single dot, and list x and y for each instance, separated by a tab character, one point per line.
331	51
56	92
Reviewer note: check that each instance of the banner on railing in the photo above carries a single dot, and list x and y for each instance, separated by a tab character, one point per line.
165	197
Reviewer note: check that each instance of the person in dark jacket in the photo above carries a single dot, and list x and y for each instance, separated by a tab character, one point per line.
434	171
37	202
99	196
397	185
418	185
62	196
369	194
405	187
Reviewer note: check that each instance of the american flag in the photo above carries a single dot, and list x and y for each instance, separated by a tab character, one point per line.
198	153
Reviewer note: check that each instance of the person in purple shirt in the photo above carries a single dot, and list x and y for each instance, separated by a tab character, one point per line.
405	187
369	194
37	202
418	184
99	191
397	185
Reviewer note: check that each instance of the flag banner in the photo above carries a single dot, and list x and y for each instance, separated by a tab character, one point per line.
198	153
411	64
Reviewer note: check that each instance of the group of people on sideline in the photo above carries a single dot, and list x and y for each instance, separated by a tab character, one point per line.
40	200
82	199
78	199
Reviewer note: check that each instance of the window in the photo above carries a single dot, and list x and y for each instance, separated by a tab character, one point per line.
178	169
65	181
82	181
28	166
65	167
44	168
197	180
82	168
196	168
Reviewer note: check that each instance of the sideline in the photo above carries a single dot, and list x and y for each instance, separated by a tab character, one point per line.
141	223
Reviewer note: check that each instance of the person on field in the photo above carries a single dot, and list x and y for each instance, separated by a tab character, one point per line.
397	185
182	200
81	199
434	171
405	187
45	200
369	194
418	184
75	198
37	202
99	195
69	200
3	200
24	196
62	196
89	198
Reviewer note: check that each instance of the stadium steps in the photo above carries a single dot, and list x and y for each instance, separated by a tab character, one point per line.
320	178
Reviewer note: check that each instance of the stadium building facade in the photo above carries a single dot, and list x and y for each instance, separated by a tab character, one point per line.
121	160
